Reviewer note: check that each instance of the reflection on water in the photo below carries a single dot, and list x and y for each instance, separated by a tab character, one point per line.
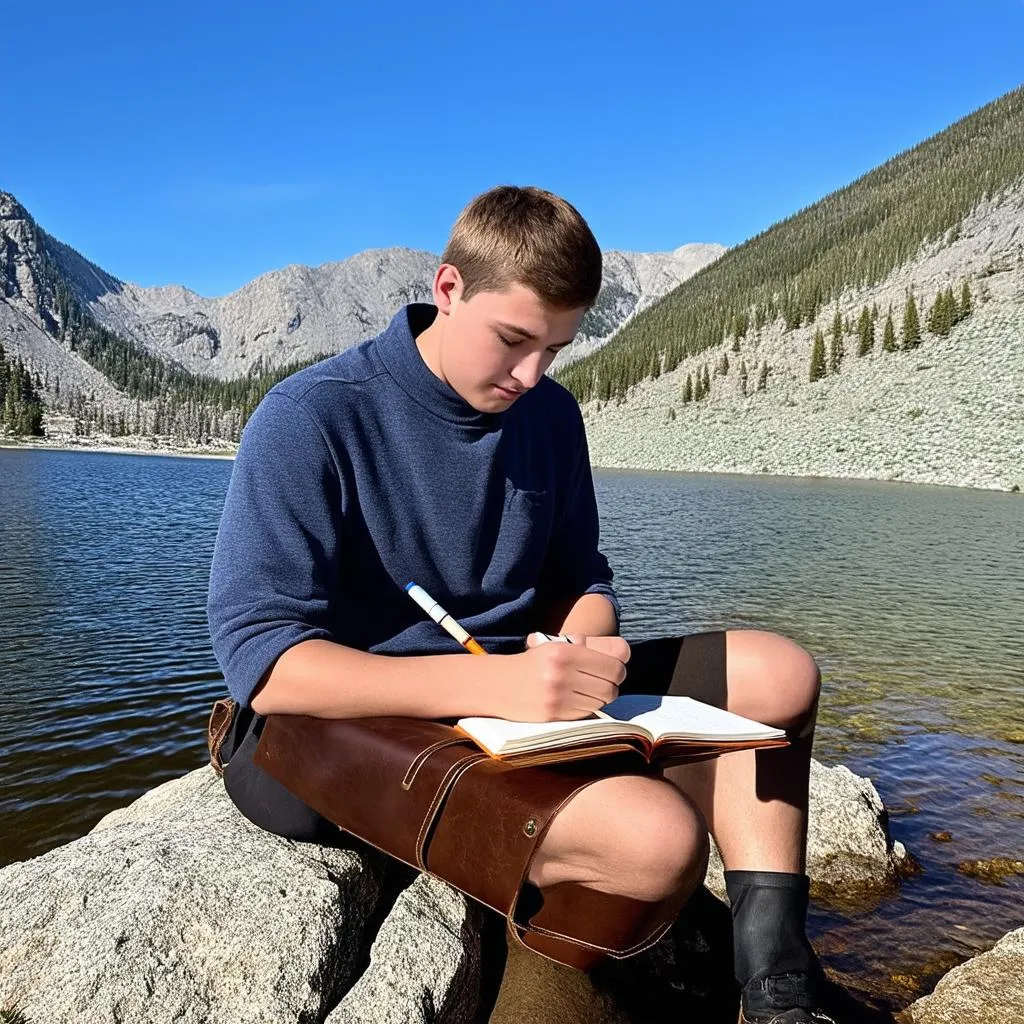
911	599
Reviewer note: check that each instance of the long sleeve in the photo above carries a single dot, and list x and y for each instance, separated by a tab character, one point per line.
276	556
574	564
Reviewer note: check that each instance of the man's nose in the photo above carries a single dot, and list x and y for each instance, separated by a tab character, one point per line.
530	370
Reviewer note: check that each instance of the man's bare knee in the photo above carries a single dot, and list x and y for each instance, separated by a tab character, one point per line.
771	678
631	836
669	855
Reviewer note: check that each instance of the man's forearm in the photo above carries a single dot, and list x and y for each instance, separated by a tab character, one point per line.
327	680
590	614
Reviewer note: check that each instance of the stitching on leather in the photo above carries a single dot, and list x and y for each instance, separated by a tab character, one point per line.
432	807
442	790
419	760
637	947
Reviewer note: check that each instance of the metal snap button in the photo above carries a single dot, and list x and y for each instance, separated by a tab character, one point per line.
530	828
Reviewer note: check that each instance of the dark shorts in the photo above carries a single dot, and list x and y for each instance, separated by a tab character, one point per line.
683	666
688	666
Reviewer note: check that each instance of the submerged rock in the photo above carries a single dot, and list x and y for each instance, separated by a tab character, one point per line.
995	870
178	909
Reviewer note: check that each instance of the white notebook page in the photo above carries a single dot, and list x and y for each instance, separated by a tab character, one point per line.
686	717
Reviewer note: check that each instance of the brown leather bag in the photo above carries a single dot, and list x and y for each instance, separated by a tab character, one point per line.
422	792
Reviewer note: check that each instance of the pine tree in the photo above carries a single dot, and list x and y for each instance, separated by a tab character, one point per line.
707	381
911	324
889	335
948	309
837	327
21	408
762	377
965	306
865	332
743	377
688	389
836	353
940	320
818	357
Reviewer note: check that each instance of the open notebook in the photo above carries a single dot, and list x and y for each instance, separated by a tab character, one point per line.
663	729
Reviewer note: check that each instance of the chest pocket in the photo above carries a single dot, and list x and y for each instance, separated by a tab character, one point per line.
522	542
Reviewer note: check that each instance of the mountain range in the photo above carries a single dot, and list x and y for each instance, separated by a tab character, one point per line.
878	333
283	317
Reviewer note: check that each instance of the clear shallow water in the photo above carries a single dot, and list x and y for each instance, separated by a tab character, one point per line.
911	599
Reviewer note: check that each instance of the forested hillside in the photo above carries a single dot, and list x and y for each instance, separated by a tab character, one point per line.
850	240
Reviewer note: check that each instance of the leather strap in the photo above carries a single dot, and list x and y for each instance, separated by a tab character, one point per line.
221	716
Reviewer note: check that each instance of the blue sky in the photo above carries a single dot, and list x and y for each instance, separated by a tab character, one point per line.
204	144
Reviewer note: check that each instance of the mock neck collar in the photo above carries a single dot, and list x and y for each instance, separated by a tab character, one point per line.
401	357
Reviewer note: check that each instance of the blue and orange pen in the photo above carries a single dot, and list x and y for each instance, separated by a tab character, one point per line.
450	625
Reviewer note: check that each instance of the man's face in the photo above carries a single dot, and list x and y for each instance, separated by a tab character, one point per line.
498	345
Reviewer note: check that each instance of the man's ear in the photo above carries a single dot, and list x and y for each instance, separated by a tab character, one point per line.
448	288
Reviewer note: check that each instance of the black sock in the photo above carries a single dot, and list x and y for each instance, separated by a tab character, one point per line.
769	918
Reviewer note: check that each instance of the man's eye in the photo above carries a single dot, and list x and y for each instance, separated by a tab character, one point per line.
506	342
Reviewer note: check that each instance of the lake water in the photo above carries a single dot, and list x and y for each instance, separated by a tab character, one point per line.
910	597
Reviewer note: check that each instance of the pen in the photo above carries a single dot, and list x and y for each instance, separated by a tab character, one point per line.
442	618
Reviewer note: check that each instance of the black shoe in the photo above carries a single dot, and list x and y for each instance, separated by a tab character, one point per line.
782	999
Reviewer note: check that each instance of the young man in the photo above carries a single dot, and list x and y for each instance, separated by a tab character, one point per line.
440	452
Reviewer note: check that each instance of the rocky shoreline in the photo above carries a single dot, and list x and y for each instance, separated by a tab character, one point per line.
119	446
146	446
178	909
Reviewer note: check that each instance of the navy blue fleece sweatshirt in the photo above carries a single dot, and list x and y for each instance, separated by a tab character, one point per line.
366	471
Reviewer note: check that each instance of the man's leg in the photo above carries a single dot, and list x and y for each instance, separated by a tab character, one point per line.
755	803
624	836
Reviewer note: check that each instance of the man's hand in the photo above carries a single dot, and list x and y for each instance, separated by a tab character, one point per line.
551	682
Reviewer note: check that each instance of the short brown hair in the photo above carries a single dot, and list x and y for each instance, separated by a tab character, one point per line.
511	235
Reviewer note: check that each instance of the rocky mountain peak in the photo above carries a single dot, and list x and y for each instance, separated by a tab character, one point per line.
20	252
11	209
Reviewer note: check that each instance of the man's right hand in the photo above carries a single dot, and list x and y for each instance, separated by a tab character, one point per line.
551	682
